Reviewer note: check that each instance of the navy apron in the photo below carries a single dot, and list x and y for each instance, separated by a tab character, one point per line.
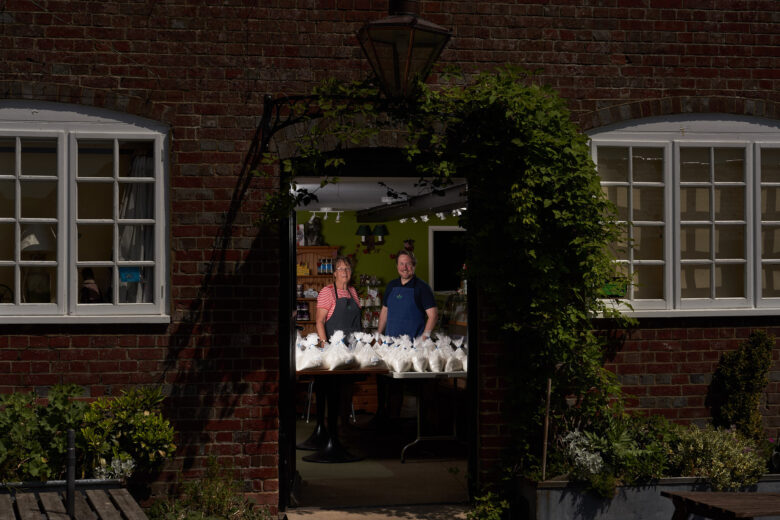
345	317
403	314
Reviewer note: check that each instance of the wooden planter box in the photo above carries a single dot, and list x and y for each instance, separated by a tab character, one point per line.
560	499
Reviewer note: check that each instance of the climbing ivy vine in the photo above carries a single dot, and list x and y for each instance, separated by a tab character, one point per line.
538	227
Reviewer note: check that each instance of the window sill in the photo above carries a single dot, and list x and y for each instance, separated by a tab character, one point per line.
74	320
685	313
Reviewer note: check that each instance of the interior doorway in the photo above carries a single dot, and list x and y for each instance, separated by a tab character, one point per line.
369	220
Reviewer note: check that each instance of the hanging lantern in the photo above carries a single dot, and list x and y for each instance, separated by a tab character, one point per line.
402	48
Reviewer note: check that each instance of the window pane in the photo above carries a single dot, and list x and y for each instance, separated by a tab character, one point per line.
136	200
96	200
39	199
770	203
648	164
730	203
694	164
38	242
7	199
94	284
649	282
39	284
96	158
695	281
136	159
648	204
770	242
695	203
729	164
95	242
613	163
135	284
729	242
7	156
695	242
136	243
6	285
770	280
648	243
39	156
619	250
619	197
7	241
770	164
730	281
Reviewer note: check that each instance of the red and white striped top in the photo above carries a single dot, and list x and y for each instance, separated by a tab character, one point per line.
326	300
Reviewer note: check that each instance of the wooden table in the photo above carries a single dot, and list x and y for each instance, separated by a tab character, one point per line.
90	504
325	439
723	505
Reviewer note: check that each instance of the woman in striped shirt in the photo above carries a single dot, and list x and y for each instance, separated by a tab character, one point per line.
338	305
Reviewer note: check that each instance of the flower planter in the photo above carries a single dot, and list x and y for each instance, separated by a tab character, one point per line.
560	499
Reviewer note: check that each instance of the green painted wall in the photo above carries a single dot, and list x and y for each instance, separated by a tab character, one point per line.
378	262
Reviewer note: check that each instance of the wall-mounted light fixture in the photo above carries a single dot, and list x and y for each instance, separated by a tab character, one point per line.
402	47
372	238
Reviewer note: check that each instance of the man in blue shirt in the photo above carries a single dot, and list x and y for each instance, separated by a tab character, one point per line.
408	305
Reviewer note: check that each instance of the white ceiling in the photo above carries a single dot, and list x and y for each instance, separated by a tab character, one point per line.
356	193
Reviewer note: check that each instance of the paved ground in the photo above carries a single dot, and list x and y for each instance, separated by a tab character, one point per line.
414	512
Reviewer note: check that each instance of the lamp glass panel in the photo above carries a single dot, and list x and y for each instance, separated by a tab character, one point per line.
770	203
39	283
729	164
770	280
649	282
96	158
7	241
770	242
613	163
695	242
135	243
96	200
648	164
95	242
39	199
695	165
695	281
770	164
7	156
7	196
729	203
39	156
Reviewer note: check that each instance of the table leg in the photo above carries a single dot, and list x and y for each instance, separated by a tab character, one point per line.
680	511
333	450
319	437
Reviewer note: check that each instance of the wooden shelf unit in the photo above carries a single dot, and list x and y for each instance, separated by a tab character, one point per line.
310	256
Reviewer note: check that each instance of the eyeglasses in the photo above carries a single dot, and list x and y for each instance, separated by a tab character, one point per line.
343	269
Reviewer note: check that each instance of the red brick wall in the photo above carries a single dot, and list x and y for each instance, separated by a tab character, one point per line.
203	70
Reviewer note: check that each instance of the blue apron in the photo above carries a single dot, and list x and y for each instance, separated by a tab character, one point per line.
403	314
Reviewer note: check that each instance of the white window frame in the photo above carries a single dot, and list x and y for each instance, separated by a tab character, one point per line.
68	124
701	130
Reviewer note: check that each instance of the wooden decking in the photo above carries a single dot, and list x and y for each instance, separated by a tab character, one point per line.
723	505
50	504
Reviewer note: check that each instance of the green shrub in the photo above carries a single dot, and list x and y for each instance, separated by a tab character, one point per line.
217	496
726	458
738	383
488	507
33	437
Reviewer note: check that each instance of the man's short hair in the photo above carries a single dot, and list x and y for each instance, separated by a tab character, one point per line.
407	253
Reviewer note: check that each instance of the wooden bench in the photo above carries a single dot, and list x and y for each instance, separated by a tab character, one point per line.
723	505
49	502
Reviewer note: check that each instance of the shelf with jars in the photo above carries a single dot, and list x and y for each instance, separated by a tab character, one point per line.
370	301
314	270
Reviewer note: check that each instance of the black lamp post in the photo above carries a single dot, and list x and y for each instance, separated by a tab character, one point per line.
402	47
